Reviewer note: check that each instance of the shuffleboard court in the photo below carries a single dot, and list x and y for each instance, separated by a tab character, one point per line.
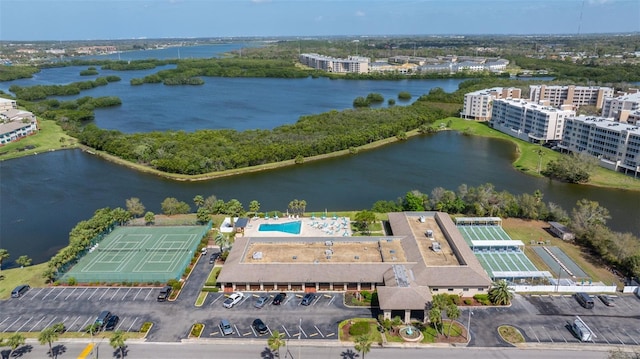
139	254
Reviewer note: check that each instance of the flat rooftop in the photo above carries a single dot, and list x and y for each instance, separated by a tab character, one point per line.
445	256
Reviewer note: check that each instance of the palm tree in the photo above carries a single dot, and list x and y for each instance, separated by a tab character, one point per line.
435	317
275	341
453	313
198	201
4	254
48	335
363	344
117	341
221	240
500	293
14	341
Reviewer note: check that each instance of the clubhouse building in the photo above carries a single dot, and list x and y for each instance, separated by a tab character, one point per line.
424	255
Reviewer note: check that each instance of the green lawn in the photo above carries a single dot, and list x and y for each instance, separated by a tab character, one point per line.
12	278
48	138
528	158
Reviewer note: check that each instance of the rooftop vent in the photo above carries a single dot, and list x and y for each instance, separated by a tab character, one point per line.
257	255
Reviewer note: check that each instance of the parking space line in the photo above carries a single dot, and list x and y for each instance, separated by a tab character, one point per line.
319	332
38	291
134	322
217	299
34	326
25	323
237	331
51	321
72	324
289	297
114	294
84	291
316	300
105	292
67	297
547	332
616	336
559	331
125	294
147	296
603	337
92	293
2	322
85	324
302	331
286	331
625	332
61	291
330	334
10	325
136	296
269	330
51	290
534	334
331	301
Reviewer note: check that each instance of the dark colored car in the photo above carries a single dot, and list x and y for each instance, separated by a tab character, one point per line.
214	257
112	322
259	326
607	300
261	301
308	299
279	298
164	293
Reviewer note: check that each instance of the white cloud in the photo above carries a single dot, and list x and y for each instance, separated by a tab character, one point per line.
360	13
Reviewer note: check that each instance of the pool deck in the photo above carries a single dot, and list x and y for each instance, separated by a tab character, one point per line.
309	227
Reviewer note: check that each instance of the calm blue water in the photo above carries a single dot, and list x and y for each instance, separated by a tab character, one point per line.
288	227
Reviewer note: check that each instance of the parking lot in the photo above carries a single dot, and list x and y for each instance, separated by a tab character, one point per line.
99	294
73	323
318	320
616	325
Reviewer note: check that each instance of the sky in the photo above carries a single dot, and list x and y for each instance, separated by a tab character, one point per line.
29	20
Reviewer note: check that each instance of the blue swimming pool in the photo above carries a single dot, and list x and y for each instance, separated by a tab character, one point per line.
287	227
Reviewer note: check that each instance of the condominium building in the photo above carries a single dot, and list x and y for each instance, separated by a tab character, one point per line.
615	144
477	104
529	121
7	104
621	107
16	124
570	95
352	64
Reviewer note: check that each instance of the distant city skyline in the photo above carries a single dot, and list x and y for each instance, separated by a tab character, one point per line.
32	20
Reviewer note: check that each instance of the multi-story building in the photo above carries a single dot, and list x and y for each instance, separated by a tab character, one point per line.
477	104
454	64
621	107
353	64
570	95
615	144
529	121
7	104
15	124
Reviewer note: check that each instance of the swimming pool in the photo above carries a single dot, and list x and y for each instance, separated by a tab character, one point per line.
287	227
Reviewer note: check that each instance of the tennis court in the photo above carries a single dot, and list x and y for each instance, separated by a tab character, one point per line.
139	254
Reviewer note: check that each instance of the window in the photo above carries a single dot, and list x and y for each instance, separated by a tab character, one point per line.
480	289
435	289
465	289
450	290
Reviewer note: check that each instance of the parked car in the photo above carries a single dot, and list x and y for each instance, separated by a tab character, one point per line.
308	299
279	298
19	291
233	299
607	300
225	327
164	293
102	318
261	301
111	322
259	326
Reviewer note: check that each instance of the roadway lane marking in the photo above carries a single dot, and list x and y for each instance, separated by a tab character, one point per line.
286	331
125	294
61	291
38	291
10	325
114	294
34	326
139	290
25	323
67	297
319	332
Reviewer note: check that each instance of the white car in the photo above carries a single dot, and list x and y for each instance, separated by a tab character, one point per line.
233	299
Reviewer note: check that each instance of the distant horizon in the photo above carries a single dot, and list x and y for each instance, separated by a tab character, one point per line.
105	20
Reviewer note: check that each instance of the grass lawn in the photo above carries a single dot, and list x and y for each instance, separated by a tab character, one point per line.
201	298
343	329
528	157
526	231
510	334
46	139
212	279
75	335
12	278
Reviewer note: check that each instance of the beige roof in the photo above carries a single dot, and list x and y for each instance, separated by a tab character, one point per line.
414	298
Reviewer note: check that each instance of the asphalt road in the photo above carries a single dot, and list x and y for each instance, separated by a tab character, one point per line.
246	350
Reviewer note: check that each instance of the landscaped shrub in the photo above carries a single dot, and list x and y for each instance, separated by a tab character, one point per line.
71	281
145	327
359	328
482	298
468	301
175	284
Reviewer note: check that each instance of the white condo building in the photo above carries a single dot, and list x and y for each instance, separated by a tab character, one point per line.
353	64
570	95
477	104
622	107
529	121
615	144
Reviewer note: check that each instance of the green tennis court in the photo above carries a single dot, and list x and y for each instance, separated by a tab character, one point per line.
139	254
